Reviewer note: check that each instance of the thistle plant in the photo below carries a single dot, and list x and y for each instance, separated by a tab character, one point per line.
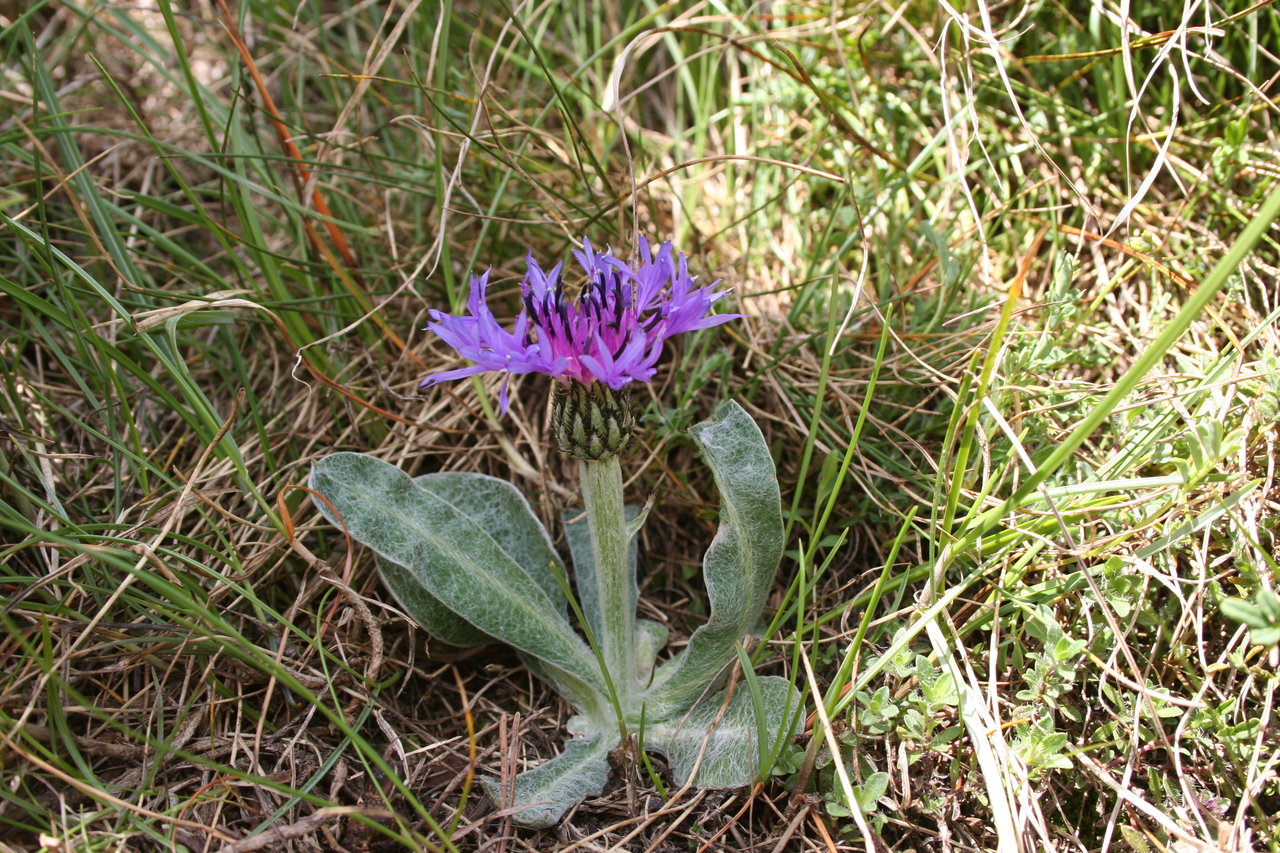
467	559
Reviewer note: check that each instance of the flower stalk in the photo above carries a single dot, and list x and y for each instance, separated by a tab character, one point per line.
615	584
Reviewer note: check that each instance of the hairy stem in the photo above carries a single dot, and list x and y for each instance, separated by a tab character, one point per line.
615	590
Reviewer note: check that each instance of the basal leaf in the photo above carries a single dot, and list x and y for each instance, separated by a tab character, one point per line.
500	509
452	556
651	638
740	565
724	750
589	702
505	514
542	795
427	610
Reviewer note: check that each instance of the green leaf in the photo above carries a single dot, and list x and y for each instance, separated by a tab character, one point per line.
1135	839
450	555
499	508
651	639
1265	636
741	563
427	610
1242	611
870	791
505	514
592	704
1262	615
730	754
545	793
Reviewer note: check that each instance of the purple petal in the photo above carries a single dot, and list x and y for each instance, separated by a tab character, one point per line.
503	398
626	308
450	375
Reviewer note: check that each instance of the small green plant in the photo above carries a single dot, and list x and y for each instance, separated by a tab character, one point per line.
879	713
935	694
1048	683
866	796
1041	747
1053	670
1262	615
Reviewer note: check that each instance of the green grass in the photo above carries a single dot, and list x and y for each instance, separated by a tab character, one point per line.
1011	334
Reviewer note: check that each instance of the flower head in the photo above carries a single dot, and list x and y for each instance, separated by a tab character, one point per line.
611	332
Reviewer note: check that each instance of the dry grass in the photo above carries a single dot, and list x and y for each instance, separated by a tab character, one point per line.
193	660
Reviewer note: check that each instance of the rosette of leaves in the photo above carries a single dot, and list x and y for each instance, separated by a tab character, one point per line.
467	559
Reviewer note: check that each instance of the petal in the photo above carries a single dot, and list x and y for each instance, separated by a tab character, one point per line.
504	399
450	375
614	335
633	352
596	369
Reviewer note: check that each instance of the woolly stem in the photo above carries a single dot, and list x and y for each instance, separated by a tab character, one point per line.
615	591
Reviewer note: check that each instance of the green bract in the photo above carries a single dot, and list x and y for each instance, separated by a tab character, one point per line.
465	556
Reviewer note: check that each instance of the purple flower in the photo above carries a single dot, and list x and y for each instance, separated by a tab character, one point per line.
612	332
